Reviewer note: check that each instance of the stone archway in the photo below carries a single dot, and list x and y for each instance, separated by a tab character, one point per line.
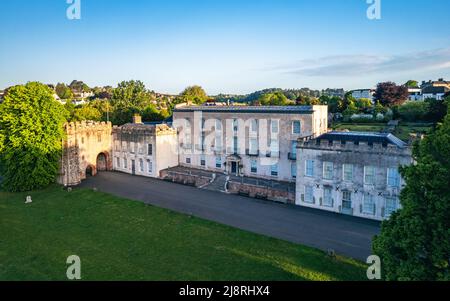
102	162
90	171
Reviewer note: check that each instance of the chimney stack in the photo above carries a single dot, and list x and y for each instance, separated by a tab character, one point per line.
137	119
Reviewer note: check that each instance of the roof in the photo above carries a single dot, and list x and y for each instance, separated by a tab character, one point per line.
381	138
249	109
435	90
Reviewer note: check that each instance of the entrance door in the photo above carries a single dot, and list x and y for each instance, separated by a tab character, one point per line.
133	167
234	168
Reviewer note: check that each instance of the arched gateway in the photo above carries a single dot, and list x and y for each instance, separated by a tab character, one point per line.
86	151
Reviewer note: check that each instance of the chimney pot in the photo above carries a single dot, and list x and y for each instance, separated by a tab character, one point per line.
137	119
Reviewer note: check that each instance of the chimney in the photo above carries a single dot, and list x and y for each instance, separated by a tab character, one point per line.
441	80
137	119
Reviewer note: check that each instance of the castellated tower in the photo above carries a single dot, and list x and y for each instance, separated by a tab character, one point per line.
86	151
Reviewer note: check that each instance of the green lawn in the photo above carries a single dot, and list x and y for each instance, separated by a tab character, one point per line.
119	239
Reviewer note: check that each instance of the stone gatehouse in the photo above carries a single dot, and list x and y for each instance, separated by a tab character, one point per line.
86	150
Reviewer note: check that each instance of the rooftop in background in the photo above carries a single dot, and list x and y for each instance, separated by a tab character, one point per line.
356	137
249	109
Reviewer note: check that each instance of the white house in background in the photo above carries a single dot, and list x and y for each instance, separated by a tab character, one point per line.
436	92
364	93
415	94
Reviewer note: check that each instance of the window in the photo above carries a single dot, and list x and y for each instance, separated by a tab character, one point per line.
328	170
218	140
393	177
149	166
309	194
296	127
150	149
82	140
346	201
218	162
254	126
235	144
235	125
294	170
125	163
141	165
369	175
99	138
187	133
348	172
188	160
253	146
274	126
327	197
309	172
253	166
118	162
274	148
132	147
293	154
368	205
124	147
140	149
274	170
202	160
391	206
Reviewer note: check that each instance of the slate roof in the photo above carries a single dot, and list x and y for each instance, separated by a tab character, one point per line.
249	109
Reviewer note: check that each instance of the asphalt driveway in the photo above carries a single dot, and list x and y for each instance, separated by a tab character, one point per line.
346	235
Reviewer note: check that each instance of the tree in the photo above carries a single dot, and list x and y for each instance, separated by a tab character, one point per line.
273	99
86	112
436	109
414	243
412	84
31	133
389	94
351	109
305	100
364	104
413	111
79	86
63	91
194	94
130	94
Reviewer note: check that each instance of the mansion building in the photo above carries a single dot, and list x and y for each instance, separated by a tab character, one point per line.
247	141
351	173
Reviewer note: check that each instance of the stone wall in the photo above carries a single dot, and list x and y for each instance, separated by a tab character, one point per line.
184	178
86	150
262	192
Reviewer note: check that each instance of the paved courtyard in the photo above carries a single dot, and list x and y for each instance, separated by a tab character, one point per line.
346	235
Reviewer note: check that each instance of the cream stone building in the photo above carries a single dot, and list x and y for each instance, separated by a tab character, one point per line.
86	150
352	173
144	149
253	141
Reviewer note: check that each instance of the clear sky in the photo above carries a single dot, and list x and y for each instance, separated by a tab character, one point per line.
227	46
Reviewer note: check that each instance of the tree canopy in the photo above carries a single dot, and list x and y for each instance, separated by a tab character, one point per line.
194	94
273	99
389	94
31	133
414	243
63	91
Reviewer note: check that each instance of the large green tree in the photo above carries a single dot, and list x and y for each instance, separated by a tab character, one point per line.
130	94
273	99
63	91
414	243
31	133
194	94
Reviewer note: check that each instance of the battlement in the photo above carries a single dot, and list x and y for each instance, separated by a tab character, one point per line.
84	126
147	129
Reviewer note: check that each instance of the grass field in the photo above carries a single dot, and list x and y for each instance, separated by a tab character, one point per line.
119	239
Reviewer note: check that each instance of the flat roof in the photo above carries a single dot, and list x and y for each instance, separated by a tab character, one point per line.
248	109
369	137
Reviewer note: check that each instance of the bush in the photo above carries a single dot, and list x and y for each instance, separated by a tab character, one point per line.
413	111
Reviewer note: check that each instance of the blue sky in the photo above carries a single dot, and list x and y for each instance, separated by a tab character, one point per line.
227	46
